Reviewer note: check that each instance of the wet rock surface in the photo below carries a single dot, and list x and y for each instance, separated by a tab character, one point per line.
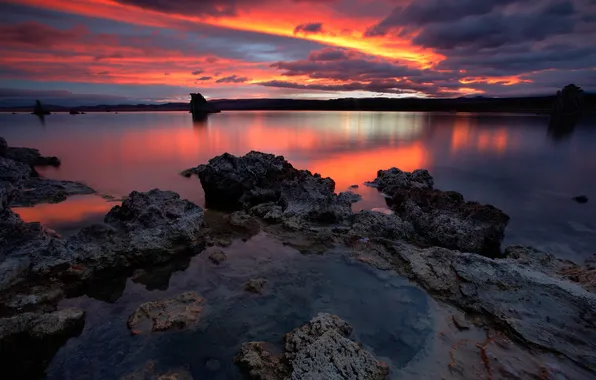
176	313
29	340
272	187
319	349
391	180
538	309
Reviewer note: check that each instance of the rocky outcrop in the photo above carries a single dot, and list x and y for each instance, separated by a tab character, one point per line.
199	106
31	157
517	294
391	180
42	190
271	187
442	218
28	341
321	349
20	185
172	314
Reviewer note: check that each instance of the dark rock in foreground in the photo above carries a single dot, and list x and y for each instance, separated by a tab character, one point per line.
28	341
172	314
443	218
321	349
272	187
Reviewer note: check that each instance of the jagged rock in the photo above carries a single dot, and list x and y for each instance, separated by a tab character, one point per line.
321	349
176	313
541	310
31	157
241	183
28	341
218	257
260	363
43	190
255	285
147	228
393	179
199	106
442	218
445	219
3	147
367	224
350	197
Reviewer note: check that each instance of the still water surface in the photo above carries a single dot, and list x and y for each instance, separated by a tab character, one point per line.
507	160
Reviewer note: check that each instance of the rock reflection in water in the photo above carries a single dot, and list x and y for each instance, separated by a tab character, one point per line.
390	316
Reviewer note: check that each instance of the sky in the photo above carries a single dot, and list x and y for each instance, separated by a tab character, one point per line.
153	51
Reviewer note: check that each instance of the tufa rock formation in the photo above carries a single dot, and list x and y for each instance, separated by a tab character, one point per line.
567	110
199	107
321	349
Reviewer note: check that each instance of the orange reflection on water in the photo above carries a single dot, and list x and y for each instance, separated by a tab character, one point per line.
354	168
74	209
465	136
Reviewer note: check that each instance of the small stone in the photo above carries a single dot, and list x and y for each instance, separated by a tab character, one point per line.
460	323
354	187
255	285
581	199
218	257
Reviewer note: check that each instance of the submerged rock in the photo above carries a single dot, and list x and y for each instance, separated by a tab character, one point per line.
149	372
258	179
28	341
172	314
255	285
217	257
321	349
581	199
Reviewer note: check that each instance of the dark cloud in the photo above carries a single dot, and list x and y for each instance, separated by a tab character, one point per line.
313	27
328	54
197	72
344	65
232	79
33	34
204	78
388	86
108	56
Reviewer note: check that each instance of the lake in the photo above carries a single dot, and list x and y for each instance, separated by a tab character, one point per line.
509	161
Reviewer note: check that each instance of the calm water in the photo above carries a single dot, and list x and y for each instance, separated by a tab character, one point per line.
506	160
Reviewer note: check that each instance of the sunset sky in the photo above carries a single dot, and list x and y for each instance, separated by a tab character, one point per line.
123	51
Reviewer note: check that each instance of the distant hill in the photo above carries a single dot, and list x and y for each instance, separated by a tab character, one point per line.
464	104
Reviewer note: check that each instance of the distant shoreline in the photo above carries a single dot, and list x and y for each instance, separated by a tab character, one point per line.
530	105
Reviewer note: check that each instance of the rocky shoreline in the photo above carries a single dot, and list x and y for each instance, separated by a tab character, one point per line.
448	246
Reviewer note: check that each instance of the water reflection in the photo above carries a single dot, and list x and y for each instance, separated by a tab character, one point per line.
501	159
